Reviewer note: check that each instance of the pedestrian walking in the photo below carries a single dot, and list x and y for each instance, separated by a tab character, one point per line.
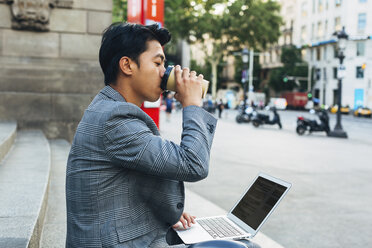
220	107
169	106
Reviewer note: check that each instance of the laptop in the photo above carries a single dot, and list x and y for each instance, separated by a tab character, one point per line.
245	218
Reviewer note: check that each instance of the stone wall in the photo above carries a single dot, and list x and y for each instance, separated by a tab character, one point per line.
48	78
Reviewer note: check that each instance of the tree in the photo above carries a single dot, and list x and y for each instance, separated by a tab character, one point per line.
119	10
243	23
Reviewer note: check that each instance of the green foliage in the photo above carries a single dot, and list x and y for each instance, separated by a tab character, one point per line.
292	66
119	10
253	23
205	70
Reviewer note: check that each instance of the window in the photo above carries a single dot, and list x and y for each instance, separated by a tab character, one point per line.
334	72
303	34
362	20
335	52
325	73
312	31
313	6
304	9
319	31
303	54
320	6
318	53
327	4
360	48
338	23
317	74
325	28
359	72
325	53
338	3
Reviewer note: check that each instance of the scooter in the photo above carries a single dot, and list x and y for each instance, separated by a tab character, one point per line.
304	124
260	119
245	116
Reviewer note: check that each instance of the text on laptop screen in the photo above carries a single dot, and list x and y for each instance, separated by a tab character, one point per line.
258	202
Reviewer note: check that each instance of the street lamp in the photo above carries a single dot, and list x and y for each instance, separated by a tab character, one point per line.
245	59
342	39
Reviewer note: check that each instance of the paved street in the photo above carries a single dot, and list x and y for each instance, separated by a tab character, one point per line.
329	203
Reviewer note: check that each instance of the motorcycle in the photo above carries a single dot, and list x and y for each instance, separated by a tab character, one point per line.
260	119
304	124
245	116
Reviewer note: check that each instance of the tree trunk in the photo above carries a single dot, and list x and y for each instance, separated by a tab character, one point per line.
214	79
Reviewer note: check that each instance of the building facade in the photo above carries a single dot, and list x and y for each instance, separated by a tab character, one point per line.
49	70
314	23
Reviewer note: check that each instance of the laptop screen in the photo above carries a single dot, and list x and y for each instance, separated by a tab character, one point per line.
257	203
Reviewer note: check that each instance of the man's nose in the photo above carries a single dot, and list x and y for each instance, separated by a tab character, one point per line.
162	71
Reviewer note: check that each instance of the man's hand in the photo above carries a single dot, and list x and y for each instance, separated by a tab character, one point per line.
189	87
186	220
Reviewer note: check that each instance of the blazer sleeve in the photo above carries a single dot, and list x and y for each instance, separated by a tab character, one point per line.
130	143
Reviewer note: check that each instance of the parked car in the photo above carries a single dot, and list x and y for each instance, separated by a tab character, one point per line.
278	103
344	110
362	111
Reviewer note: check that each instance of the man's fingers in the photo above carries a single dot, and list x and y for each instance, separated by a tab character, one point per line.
188	218
183	222
186	73
178	73
192	74
193	219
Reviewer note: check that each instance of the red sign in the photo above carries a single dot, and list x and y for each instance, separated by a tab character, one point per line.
136	11
154	10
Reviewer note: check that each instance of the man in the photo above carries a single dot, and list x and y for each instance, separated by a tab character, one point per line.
124	183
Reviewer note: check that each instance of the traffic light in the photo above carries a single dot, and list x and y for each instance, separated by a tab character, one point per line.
309	96
364	66
285	79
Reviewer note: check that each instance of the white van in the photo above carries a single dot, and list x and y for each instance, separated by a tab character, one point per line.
279	103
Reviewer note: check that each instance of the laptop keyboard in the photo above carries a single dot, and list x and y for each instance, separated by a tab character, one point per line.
218	227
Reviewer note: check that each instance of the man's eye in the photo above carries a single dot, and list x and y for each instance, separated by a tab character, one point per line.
157	63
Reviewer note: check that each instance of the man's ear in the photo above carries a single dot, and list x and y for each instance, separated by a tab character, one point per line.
126	65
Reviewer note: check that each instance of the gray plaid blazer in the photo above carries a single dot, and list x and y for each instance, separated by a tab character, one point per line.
123	180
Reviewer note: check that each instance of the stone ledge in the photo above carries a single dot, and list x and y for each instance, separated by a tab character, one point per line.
24	178
8	132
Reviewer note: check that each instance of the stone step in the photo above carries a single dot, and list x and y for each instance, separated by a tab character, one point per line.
24	178
54	228
8	132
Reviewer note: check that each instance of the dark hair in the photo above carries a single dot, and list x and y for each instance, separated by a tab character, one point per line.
126	39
